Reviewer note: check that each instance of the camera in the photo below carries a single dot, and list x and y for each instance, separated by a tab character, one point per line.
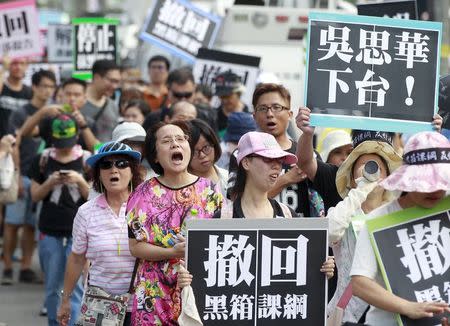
371	171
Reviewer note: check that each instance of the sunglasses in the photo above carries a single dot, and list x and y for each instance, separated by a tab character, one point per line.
182	95
120	164
279	160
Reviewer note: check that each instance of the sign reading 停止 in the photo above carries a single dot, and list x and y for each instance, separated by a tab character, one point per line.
372	73
60	40
412	248
19	29
210	63
94	39
258	271
405	9
180	27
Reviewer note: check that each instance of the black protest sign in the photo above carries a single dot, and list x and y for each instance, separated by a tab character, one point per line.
19	29
373	73
392	9
258	272
60	39
180	27
210	63
412	248
95	39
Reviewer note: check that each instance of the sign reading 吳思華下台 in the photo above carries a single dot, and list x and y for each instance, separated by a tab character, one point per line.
60	43
404	9
94	39
258	271
19	29
210	63
412	248
181	27
372	73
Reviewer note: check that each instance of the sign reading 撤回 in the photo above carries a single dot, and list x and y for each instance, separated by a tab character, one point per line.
372	73
59	38
19	29
258	271
180	27
210	63
405	9
94	39
413	251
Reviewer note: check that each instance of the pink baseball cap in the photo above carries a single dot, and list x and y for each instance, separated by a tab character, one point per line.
262	144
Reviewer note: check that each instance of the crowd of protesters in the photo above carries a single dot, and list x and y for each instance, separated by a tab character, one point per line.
109	172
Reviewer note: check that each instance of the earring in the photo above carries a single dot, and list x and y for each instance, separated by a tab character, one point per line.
131	186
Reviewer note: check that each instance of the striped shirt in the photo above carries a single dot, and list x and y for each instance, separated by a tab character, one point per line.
103	237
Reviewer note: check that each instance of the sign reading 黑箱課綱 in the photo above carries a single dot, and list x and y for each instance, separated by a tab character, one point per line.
404	9
94	39
19	29
60	43
258	271
372	73
180	27
210	63
412	248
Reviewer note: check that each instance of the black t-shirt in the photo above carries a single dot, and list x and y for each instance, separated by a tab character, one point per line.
11	101
325	184
59	207
295	196
239	213
29	145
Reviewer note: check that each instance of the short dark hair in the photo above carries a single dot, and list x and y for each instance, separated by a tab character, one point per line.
159	58
200	128
39	75
136	178
264	88
128	95
205	90
74	81
180	76
150	143
140	104
102	67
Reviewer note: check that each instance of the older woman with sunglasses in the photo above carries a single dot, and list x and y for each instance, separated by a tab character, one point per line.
157	210
100	232
206	151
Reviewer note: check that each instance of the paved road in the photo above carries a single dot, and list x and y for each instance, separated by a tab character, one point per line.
20	303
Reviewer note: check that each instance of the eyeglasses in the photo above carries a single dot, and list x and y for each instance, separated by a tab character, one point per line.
120	164
180	139
112	80
182	94
276	108
44	86
205	150
279	160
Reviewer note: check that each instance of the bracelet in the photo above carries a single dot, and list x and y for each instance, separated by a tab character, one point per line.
83	127
67	295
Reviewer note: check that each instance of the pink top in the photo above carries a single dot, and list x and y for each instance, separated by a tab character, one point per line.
103	237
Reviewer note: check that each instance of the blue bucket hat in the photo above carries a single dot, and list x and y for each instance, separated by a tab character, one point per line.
239	123
113	148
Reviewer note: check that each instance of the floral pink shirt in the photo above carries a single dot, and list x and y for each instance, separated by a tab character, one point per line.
156	213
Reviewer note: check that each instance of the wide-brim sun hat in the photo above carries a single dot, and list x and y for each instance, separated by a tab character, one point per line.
113	148
425	166
368	143
333	140
262	144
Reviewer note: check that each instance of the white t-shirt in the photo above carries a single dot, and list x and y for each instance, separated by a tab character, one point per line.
365	264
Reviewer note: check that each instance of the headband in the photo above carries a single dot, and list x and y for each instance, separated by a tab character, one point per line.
427	156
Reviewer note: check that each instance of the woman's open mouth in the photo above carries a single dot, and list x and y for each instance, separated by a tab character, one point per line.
177	157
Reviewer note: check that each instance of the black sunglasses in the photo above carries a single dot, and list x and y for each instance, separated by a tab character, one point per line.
120	164
182	95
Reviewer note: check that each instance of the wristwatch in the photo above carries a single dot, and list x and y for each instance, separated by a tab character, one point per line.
67	295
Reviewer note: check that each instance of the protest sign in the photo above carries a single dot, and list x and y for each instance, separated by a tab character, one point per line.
372	73
210	63
19	29
412	248
259	271
180	27
391	9
95	39
60	38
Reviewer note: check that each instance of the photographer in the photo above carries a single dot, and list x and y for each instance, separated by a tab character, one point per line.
57	180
